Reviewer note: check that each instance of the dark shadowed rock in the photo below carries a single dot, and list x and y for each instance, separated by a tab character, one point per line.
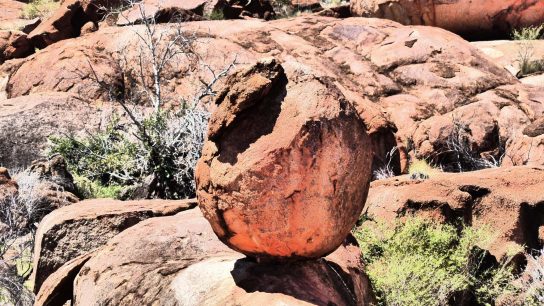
14	44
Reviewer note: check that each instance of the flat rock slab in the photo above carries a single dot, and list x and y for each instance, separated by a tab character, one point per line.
80	228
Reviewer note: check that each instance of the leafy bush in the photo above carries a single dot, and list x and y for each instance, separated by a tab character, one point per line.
528	33
164	148
88	189
107	157
421	263
39	8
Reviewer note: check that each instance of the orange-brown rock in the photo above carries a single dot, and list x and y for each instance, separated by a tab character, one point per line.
282	152
67	21
397	77
57	288
469	17
507	202
78	229
14	44
178	260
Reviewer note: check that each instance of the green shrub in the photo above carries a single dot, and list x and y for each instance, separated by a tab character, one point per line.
39	8
417	262
528	33
216	15
107	157
88	189
164	147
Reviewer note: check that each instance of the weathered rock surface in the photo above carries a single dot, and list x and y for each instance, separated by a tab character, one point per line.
396	77
58	287
158	260
11	15
507	53
468	17
508	201
8	187
27	121
14	44
67	21
72	231
289	151
11	9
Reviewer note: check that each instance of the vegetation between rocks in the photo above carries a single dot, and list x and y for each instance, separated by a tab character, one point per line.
528	33
162	152
39	8
417	262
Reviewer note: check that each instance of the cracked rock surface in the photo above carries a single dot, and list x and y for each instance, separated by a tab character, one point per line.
509	201
283	151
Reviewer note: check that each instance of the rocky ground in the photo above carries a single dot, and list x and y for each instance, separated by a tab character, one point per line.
321	115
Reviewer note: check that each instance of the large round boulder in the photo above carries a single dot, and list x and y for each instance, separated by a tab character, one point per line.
286	166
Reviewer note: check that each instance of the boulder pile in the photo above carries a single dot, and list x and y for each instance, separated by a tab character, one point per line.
283	178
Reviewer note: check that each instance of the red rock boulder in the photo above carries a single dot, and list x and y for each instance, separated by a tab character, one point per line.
67	20
466	17
14	44
506	202
283	153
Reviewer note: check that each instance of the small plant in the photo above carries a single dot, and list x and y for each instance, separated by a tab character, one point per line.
528	33
19	215
533	284
88	189
527	64
333	3
421	170
418	262
39	8
462	154
216	15
386	171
